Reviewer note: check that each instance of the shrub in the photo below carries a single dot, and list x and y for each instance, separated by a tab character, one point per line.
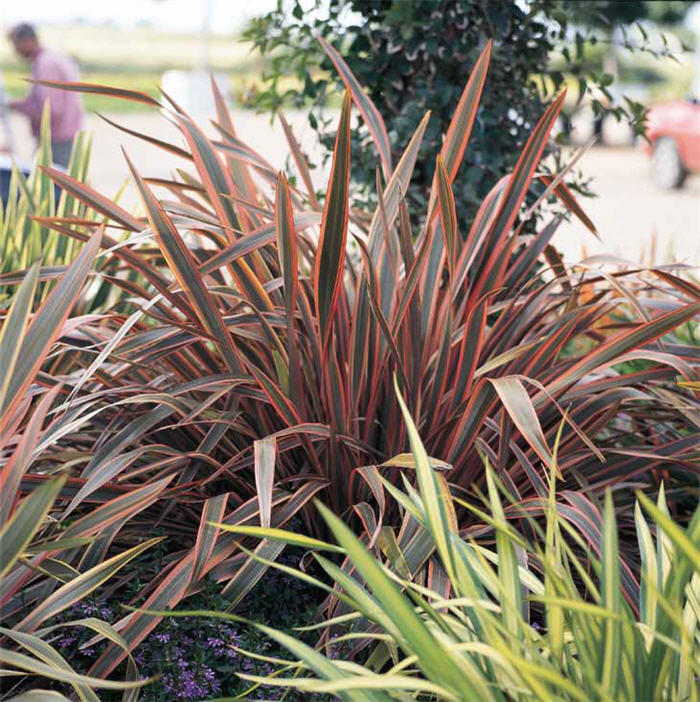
247	365
526	620
413	57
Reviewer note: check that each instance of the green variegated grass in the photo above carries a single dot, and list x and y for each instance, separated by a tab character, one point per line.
23	240
528	620
31	223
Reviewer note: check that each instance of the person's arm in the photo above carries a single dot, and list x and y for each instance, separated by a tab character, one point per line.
33	104
28	105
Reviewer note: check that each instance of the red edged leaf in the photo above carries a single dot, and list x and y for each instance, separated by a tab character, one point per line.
563	192
521	410
286	243
14	327
362	330
212	514
21	458
448	215
97	89
330	257
452	151
214	177
302	165
217	183
497	242
171	148
463	119
185	269
286	410
376	309
255	240
473	338
395	189
368	110
287	250
93	199
46	325
239	171
112	509
622	343
520	180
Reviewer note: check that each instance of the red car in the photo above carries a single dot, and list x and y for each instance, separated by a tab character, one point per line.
674	132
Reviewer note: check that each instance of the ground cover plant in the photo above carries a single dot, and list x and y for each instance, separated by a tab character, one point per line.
194	658
245	364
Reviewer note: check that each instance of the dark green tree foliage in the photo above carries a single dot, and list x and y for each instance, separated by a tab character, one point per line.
607	13
413	57
416	55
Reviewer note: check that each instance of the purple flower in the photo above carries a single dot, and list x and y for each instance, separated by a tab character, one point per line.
213	642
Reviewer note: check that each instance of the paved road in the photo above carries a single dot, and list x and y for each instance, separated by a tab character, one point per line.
632	215
629	211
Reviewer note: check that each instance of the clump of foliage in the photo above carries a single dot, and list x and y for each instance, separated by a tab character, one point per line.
38	581
526	620
246	365
23	238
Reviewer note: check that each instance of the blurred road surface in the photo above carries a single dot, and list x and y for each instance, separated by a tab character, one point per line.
633	217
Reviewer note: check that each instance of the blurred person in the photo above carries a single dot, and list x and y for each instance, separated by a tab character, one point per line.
66	107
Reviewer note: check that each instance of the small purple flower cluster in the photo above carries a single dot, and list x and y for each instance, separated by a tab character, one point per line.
191	657
195	658
191	684
190	660
72	637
